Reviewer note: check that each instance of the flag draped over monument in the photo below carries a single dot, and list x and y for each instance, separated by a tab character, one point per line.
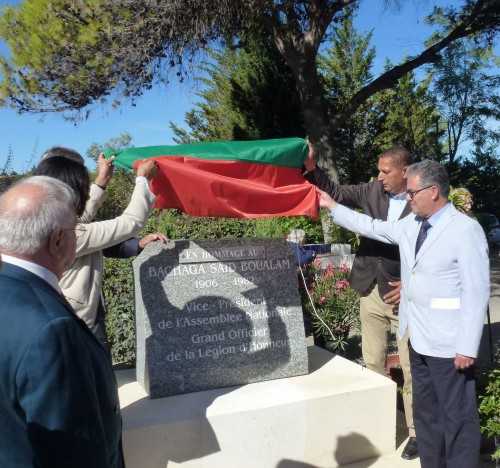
239	179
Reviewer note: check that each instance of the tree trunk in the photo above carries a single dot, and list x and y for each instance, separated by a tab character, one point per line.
318	129
314	113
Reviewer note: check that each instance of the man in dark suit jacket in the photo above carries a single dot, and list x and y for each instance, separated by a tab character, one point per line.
58	397
376	269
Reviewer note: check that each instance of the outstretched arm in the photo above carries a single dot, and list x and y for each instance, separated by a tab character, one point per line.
354	196
383	231
103	234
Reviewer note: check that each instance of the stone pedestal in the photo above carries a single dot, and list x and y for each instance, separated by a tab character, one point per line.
338	414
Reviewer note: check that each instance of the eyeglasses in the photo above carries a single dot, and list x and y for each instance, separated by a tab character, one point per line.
411	193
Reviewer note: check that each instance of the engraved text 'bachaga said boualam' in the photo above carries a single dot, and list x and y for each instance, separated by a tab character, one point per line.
213	314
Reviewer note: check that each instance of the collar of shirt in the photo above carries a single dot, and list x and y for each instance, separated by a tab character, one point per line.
397	205
435	217
36	269
398	196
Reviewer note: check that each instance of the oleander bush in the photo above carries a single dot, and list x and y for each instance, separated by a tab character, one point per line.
332	304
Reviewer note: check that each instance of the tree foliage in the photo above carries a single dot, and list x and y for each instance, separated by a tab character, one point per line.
69	54
248	93
7	166
345	68
468	96
406	115
117	143
410	118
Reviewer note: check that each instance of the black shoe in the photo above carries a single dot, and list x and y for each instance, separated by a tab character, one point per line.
411	450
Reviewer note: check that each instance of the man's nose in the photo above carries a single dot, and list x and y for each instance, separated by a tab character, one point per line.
380	176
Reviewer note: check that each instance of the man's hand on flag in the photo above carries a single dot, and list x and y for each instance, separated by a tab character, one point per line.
325	201
310	161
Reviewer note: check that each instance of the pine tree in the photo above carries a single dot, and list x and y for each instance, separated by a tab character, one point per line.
410	118
248	93
345	68
7	167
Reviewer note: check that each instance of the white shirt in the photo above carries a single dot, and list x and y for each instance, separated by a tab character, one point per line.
435	217
397	204
36	269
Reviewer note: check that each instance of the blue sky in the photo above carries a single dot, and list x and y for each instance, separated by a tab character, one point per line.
396	33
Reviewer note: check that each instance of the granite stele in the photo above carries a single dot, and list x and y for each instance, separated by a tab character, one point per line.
214	314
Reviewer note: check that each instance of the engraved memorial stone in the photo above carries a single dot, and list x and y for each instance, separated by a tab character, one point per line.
212	314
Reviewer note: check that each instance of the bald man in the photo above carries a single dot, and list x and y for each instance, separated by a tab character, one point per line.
58	397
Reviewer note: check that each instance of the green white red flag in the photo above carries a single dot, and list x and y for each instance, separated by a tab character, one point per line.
239	179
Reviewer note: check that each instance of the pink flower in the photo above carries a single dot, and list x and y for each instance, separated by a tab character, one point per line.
344	268
341	284
328	273
322	299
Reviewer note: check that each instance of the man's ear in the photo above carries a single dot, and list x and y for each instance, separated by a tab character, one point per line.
436	193
404	171
55	242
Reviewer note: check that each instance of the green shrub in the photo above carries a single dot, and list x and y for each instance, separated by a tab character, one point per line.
118	290
340	235
489	408
280	227
177	225
118	194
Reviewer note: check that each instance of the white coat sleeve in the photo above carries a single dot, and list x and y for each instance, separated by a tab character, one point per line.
383	231
100	235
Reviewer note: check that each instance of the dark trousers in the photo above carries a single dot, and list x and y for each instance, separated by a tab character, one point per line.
445	413
99	327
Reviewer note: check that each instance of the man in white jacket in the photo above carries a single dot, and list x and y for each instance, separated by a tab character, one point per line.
445	292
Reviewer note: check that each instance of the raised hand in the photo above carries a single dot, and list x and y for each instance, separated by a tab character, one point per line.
105	169
310	161
147	169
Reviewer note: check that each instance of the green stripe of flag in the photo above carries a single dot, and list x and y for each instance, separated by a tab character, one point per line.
288	152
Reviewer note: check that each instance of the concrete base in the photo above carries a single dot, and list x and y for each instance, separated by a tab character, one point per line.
338	414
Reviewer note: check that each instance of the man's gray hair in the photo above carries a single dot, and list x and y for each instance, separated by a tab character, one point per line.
25	230
430	173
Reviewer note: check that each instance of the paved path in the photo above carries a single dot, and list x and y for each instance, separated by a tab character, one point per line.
484	351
